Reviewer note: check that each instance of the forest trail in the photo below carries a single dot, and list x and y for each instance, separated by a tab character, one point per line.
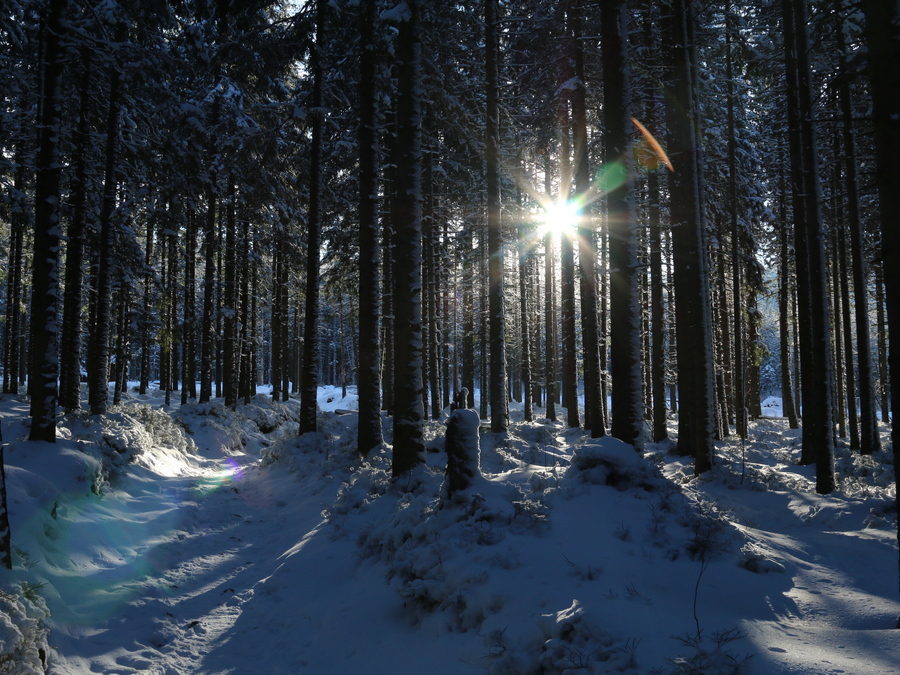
830	598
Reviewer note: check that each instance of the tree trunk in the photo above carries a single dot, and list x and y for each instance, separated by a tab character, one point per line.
693	328
784	329
310	373
870	441
98	373
230	363
737	272
818	413
409	448
587	252
45	265
369	379
883	38
625	316
73	300
496	309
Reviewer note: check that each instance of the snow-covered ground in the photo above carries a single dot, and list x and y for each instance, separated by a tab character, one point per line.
199	540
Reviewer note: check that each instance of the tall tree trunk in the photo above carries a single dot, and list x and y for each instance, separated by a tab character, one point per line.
550	327
693	328
587	252
189	372
883	37
230	369
882	345
147	314
369	432
784	328
14	287
869	440
45	261
496	310
310	384
625	314
739	356
525	337
657	312
409	448
818	413
98	373
73	300
210	246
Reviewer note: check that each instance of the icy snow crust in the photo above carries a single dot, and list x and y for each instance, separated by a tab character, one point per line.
197	539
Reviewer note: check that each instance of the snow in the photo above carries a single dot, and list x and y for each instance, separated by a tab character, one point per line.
176	540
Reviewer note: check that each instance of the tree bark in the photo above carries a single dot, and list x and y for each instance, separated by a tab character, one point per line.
45	265
625	315
587	251
310	373
818	413
693	327
369	380
409	447
497	311
98	373
883	37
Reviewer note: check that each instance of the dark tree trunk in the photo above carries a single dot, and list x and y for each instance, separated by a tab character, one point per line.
883	37
98	373
230	363
147	314
369	379
189	370
550	327
524	264
870	441
587	252
625	315
737	266
657	313
693	329
818	413
310	371
784	328
496	309
409	448
210	247
13	360
45	266
73	301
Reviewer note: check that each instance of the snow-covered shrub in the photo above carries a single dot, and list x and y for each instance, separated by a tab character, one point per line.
433	546
609	461
223	426
23	631
269	415
572	643
708	655
160	428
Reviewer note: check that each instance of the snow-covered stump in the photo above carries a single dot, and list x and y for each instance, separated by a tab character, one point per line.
463	451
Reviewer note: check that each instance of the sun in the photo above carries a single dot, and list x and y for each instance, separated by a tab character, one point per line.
559	217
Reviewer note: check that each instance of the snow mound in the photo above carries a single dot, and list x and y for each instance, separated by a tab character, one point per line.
609	461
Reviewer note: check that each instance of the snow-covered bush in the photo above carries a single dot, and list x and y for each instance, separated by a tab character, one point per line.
23	633
608	461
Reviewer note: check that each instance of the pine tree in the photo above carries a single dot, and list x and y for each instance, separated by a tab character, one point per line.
409	448
625	331
45	265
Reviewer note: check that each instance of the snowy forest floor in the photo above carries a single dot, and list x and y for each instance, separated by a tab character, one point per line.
180	540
